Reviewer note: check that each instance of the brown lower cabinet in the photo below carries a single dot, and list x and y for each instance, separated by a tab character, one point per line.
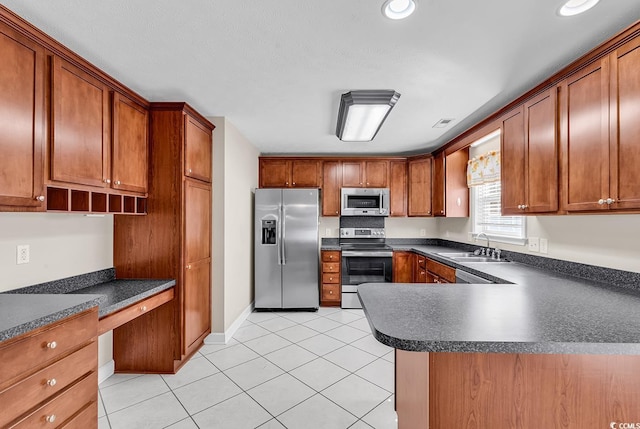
409	267
331	275
48	377
508	390
172	241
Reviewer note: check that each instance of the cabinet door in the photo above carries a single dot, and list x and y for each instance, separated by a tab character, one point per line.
197	301
585	137
403	267
541	169
456	189
376	174
80	127
306	173
512	163
275	173
398	188
197	221
352	172
21	121
332	178
625	144
438	187
130	160
420	187
198	148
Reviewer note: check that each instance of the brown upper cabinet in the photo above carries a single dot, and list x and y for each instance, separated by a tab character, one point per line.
450	194
22	122
420	187
290	173
197	149
80	122
332	178
130	159
529	150
365	174
398	188
599	133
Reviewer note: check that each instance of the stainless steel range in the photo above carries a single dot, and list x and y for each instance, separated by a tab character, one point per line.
365	259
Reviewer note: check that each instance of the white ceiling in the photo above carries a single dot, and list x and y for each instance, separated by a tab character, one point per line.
276	68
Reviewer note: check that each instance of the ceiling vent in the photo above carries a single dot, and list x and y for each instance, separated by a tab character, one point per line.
442	123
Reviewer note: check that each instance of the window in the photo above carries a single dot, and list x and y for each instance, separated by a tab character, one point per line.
487	217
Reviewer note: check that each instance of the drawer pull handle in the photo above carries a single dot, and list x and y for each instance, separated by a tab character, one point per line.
143	308
51	418
52	382
189	267
52	345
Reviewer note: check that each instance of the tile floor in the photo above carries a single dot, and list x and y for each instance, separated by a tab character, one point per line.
281	370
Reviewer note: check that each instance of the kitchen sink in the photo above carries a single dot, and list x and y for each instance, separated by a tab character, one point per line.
469	257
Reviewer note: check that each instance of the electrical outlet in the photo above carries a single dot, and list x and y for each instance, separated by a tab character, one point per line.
327	232
544	245
534	244
22	254
423	232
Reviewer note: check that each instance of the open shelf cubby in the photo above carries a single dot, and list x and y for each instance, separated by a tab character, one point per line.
79	201
98	202
61	199
141	205
115	203
57	199
129	204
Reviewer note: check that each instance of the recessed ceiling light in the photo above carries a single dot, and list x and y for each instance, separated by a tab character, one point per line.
574	7
398	9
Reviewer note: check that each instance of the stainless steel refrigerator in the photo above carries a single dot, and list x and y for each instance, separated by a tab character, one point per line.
286	248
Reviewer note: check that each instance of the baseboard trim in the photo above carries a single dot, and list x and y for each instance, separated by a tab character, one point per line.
106	371
224	337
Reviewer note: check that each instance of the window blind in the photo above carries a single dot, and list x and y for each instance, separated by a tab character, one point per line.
487	217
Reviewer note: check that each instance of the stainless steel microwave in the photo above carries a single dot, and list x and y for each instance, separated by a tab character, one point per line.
364	202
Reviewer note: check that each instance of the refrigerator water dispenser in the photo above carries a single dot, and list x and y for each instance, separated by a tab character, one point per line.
268	231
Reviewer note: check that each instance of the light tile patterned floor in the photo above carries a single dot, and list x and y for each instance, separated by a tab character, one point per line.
281	370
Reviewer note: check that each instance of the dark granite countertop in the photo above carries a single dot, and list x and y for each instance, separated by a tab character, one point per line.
534	310
51	301
21	313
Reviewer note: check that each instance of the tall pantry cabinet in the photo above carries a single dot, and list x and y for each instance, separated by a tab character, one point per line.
172	241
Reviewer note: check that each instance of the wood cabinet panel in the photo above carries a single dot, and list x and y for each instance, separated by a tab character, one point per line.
412	389
352	174
625	127
22	120
376	174
444	272
331	293
197	221
398	188
197	299
330	267
456	189
306	173
330	256
331	182
290	173
512	165
198	150
81	123
438	195
130	160
403	267
420	187
331	278
275	173
86	419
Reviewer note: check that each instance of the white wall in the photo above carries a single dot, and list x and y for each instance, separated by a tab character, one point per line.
395	227
235	179
61	245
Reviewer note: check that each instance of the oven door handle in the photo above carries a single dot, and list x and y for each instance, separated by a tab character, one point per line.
364	254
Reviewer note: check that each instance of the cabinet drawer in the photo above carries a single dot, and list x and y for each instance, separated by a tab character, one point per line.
421	276
330	292
444	271
46	345
127	314
330	256
331	267
45	383
421	261
64	406
85	419
330	278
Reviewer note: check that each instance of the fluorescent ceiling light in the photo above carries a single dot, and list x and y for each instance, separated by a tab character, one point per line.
574	7
398	9
362	113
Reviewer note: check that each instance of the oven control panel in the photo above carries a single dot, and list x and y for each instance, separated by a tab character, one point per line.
361	232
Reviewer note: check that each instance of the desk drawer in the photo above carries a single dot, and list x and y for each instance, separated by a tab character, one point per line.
120	317
46	345
45	383
64	406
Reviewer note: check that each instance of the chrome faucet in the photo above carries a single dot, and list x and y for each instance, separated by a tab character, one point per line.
488	244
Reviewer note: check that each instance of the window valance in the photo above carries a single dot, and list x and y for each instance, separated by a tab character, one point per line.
484	169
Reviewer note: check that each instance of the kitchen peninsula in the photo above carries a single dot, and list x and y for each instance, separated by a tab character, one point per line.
546	351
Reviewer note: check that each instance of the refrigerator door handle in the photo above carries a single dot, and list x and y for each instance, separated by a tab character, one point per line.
284	231
279	234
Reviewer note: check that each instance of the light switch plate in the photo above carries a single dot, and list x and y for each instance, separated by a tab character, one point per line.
22	254
544	245
534	244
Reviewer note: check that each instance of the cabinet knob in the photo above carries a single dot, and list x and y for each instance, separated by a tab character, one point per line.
52	382
361	183
610	201
367	183
40	198
117	182
52	345
601	201
429	212
143	308
107	181
336	211
330	292
525	206
51	418
330	278
189	267
330	256
190	171
286	183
